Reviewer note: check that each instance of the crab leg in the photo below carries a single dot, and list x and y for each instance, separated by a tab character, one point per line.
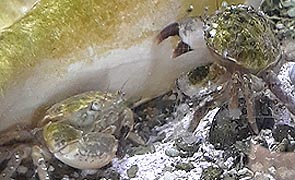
244	83
275	86
39	157
207	104
233	105
17	133
21	152
207	87
200	112
249	103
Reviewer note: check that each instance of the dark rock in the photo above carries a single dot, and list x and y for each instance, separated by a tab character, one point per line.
184	166
225	131
140	150
186	149
263	106
131	172
285	135
282	131
212	173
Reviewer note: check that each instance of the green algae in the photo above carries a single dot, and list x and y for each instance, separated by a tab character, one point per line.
54	29
11	10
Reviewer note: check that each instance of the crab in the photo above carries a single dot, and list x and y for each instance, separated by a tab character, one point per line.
248	58
82	131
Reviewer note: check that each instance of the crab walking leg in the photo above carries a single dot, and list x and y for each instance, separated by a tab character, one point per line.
207	86
136	138
19	153
17	133
207	104
242	82
39	157
234	104
275	86
127	123
246	88
200	112
127	127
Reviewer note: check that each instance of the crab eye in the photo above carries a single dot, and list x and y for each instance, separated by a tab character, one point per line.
95	106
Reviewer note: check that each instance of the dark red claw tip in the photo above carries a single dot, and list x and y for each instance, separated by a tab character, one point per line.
170	30
181	48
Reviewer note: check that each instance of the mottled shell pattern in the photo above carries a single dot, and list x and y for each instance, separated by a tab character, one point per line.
243	35
68	107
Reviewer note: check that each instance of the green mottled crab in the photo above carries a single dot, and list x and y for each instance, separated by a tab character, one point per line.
248	58
82	131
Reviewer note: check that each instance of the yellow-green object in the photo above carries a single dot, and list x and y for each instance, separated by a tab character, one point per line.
255	46
11	10
83	131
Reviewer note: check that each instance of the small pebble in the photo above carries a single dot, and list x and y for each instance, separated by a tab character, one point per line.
291	12
169	176
22	169
172	152
184	166
131	172
140	150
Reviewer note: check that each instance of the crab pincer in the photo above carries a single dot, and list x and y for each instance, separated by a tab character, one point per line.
189	32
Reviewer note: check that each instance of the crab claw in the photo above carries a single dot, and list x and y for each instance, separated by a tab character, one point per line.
180	49
189	31
173	30
170	30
